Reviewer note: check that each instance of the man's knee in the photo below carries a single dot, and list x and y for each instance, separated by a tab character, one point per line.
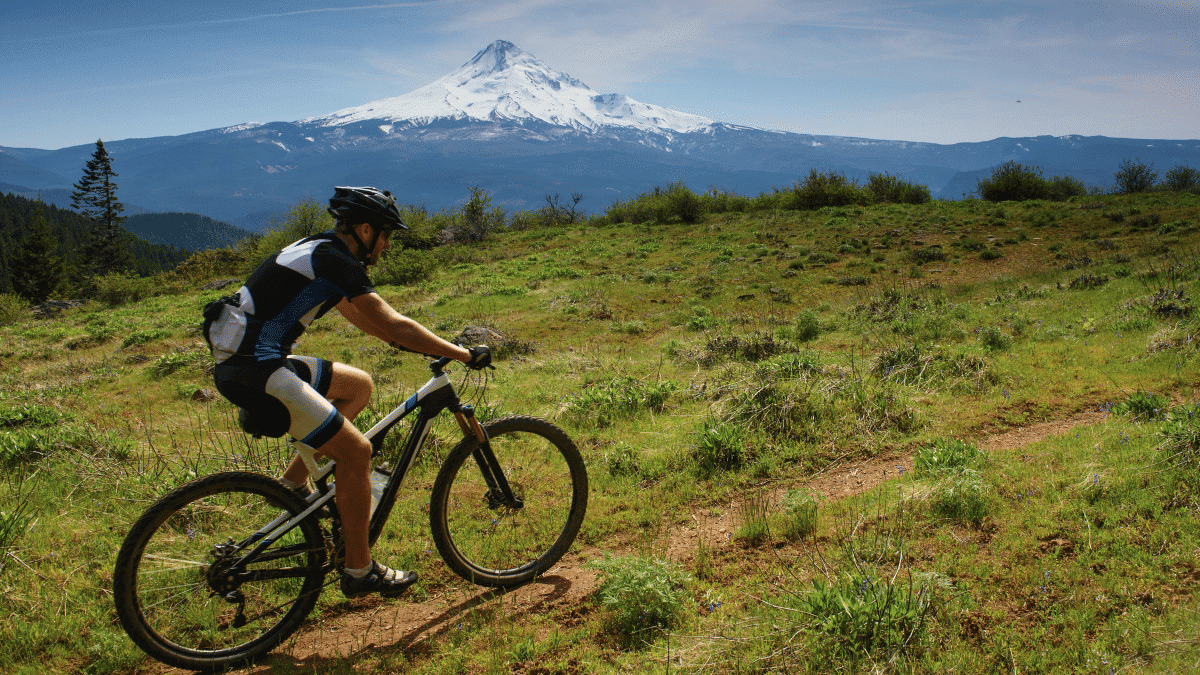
350	383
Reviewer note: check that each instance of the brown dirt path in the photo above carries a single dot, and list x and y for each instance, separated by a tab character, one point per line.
372	627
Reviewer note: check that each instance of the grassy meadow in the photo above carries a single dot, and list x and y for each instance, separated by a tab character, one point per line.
706	369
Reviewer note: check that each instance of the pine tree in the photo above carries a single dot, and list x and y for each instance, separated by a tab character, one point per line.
37	269
95	197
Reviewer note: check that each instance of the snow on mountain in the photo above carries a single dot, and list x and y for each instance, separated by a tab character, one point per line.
504	82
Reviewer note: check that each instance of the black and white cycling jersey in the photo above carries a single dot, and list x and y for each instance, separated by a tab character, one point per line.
284	295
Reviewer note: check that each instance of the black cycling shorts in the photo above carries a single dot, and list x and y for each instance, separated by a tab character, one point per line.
282	396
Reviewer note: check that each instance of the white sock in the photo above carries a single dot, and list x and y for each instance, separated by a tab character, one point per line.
358	574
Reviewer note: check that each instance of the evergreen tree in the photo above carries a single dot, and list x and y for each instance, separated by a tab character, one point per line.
95	197
37	269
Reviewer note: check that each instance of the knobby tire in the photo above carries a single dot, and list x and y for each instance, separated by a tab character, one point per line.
163	584
491	544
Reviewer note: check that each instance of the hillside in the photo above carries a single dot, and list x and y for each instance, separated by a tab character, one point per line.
953	436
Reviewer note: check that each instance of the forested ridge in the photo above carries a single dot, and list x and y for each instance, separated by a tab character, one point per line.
71	231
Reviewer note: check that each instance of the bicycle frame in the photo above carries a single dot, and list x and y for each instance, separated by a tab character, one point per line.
429	401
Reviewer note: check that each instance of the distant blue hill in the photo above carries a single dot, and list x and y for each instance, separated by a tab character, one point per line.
188	231
250	175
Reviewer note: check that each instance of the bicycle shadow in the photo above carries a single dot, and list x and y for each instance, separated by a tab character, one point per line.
321	652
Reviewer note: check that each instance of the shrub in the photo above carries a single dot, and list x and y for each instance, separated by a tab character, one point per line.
475	221
702	318
13	308
831	188
663	204
424	230
1166	303
304	219
990	254
1181	179
822	257
642	595
1143	406
994	339
1180	453
888	188
403	268
719	448
806	326
685	204
116	288
753	347
1062	188
1087	281
601	404
1013	182
852	618
1134	176
212	264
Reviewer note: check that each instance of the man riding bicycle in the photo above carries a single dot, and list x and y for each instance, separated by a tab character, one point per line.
252	334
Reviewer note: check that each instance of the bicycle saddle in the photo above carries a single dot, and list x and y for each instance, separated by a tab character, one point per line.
268	420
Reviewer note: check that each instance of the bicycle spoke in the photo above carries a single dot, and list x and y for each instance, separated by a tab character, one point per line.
191	597
492	544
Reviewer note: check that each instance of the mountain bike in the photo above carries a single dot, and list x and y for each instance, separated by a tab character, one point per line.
224	568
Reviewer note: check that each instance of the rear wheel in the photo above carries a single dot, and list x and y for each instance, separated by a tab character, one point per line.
182	589
493	544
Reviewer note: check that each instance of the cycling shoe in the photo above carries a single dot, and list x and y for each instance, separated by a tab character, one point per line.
382	580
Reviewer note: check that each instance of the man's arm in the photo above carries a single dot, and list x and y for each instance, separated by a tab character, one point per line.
374	316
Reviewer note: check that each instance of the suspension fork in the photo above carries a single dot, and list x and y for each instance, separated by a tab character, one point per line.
499	491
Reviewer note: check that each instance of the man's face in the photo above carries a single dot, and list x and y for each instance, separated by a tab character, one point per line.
383	243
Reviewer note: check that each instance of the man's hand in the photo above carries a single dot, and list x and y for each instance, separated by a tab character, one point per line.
481	357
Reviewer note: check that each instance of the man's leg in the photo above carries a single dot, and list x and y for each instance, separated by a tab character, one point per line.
349	390
317	421
352	452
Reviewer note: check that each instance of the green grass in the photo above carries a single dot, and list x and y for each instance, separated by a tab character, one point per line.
705	369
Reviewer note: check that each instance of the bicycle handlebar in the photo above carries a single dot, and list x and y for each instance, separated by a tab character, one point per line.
437	365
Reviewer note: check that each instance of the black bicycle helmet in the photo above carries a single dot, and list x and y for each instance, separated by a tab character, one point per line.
355	205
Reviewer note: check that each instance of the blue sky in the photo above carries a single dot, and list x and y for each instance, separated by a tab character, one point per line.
943	72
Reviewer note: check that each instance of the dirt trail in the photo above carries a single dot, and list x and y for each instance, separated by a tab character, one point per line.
376	627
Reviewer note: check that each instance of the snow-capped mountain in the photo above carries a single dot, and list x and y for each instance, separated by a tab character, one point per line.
521	130
505	83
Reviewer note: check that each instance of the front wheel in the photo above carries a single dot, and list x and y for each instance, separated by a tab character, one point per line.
184	589
493	544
